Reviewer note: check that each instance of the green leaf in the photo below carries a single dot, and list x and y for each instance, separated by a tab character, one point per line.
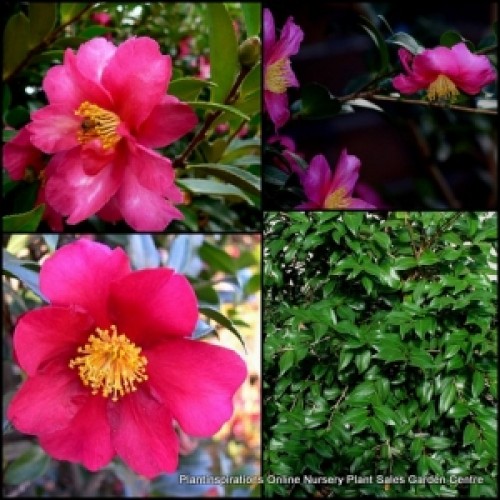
16	267
29	466
380	43
203	186
42	18
17	116
382	239
27	221
217	316
69	11
362	361
362	393
353	221
317	102
426	391
477	384
218	107
421	359
223	50
15	43
428	258
217	259
406	41
403	263
459	411
471	434
286	361
378	427
252	81
188	88
252	13
447	398
438	443
344	359
236	176
450	38
385	414
94	31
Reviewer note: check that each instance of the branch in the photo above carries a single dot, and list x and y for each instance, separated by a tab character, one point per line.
46	42
434	105
180	161
334	409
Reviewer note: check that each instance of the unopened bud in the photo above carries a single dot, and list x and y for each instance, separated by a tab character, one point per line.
249	51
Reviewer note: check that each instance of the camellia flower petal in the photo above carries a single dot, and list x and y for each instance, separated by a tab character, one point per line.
325	189
23	161
111	368
444	71
107	107
278	74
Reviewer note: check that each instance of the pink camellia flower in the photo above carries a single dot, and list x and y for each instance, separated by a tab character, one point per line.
443	72
107	109
325	189
278	74
23	161
110	365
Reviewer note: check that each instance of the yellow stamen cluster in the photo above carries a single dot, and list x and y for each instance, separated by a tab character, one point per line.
338	199
110	362
98	123
275	79
442	88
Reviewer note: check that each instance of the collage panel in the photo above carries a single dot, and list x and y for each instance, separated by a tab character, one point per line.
131	365
123	117
379	105
380	354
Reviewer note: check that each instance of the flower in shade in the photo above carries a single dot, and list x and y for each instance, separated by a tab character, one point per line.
25	162
102	18
443	72
108	109
278	74
110	363
326	189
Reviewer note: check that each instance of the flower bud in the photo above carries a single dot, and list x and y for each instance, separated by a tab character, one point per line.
249	52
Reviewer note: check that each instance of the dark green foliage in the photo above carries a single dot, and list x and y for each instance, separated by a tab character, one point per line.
380	354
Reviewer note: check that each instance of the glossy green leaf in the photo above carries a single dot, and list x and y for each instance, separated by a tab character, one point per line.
27	221
406	41
32	464
438	443
345	358
362	361
317	102
252	13
447	398
203	186
215	106
222	320
188	88
386	415
69	11
477	384
223	50
235	175
42	17
15	43
379	41
252	82
216	258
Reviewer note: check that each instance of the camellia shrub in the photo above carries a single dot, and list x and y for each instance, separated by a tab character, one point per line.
380	357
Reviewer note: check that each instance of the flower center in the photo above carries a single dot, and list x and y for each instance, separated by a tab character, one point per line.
338	199
97	123
442	88
276	76
110	362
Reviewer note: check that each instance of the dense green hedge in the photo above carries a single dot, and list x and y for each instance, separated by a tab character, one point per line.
380	352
